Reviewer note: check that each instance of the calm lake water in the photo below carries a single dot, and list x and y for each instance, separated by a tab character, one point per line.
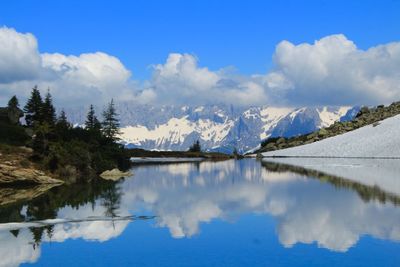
229	213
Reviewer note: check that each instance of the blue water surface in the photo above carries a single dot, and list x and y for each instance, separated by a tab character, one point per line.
230	213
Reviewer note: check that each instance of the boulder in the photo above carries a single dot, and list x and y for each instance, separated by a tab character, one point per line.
323	132
280	140
312	136
114	174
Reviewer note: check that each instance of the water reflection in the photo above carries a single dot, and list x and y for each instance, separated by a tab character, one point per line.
306	210
382	173
306	207
363	187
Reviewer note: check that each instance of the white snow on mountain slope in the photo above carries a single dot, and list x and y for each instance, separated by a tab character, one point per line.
296	112
270	116
329	117
211	131
176	130
199	109
382	141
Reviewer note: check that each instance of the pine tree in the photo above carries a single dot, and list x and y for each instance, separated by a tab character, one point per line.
33	108
48	110
13	103
92	123
62	122
110	124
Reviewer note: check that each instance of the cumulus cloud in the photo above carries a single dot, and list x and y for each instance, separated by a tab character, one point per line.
181	80
87	78
19	57
331	71
334	71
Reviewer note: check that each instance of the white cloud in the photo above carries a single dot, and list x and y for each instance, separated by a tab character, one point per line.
87	78
19	57
17	250
181	80
330	71
182	70
334	71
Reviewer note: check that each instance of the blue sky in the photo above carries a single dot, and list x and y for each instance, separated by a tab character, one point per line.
175	51
242	34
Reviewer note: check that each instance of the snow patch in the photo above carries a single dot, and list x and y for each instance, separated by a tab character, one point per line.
328	117
381	141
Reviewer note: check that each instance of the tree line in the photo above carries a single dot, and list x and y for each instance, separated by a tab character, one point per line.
41	112
69	151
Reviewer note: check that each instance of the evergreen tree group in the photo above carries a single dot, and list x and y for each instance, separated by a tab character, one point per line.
48	112
33	108
110	124
92	123
66	149
39	113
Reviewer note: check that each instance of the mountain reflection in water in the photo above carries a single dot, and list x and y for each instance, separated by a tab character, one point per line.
307	207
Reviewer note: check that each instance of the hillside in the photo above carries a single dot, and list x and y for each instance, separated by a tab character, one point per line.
378	140
365	116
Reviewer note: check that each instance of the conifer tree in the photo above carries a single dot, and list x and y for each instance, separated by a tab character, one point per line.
13	103
33	108
48	110
92	123
62	122
110	124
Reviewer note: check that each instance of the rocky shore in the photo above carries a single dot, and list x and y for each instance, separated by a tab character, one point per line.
10	175
15	169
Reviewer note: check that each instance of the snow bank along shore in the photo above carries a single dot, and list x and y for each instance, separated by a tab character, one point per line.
381	140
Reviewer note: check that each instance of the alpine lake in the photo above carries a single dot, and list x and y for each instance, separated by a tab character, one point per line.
227	213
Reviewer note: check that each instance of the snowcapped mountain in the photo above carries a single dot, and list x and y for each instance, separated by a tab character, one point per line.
218	127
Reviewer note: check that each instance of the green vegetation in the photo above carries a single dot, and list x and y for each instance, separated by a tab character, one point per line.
33	108
110	125
68	152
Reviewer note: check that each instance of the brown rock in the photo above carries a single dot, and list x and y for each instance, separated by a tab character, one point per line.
10	174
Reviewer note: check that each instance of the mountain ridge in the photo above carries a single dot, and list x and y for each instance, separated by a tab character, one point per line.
219	128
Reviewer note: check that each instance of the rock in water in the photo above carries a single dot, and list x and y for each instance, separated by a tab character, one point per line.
114	174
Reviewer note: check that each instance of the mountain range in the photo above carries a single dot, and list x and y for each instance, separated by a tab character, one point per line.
219	128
